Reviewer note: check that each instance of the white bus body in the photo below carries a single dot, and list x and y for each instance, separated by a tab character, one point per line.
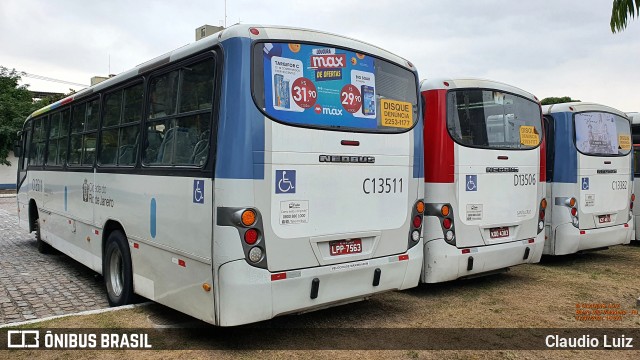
483	141
259	205
590	179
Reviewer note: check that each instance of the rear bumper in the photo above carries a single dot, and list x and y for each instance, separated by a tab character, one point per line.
568	239
248	294
443	262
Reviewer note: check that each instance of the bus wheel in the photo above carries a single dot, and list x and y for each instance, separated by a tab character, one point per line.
43	247
117	271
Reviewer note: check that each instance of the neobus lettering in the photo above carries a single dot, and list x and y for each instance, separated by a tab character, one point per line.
619	185
524	179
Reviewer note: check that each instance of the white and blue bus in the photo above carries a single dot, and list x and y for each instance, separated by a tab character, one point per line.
590	178
257	172
484	178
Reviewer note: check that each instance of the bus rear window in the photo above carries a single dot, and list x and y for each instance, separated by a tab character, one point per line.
602	134
493	119
325	87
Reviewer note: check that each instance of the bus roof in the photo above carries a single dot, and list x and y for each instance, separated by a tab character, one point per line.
466	83
634	117
579	107
235	31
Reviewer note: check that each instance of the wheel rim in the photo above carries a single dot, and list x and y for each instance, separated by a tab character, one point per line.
115	272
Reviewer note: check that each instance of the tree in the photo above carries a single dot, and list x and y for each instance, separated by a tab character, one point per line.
557	100
15	105
620	13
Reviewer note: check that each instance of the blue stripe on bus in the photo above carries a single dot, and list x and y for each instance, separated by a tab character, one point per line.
565	169
7	186
65	198
240	153
152	218
418	148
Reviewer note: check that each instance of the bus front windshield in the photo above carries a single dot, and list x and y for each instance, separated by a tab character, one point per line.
493	119
322	86
602	134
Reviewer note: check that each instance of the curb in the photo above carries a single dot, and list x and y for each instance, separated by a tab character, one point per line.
82	313
7	196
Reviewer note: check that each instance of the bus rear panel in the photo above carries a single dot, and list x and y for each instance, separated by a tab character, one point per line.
483	180
591	181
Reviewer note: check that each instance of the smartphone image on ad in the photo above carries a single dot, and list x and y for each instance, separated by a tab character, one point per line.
277	86
284	93
368	100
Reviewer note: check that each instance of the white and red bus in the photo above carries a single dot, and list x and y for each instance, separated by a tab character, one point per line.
589	177
484	178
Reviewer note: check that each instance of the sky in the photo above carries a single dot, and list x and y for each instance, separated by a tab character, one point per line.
546	47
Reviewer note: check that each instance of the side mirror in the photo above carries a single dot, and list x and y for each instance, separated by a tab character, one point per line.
17	149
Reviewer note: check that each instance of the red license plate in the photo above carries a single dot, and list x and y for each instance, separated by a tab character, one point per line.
499	232
344	247
604	219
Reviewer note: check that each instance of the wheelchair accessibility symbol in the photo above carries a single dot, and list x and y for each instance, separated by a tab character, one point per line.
198	191
285	181
585	183
472	182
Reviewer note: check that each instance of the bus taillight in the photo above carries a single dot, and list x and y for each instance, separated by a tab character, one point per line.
446	223
255	254
248	217
251	236
543	207
416	222
444	210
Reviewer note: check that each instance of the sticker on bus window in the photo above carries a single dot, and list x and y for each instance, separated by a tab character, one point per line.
396	113
319	85
624	141
529	136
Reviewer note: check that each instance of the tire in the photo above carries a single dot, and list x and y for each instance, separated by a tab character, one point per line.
117	270
43	247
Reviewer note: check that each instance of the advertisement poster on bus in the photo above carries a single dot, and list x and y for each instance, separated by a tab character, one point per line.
319	85
596	133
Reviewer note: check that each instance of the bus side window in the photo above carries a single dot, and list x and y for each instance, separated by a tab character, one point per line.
119	137
89	139
58	132
182	137
77	127
24	156
549	131
38	142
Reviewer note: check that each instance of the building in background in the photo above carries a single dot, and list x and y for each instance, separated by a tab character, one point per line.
8	174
